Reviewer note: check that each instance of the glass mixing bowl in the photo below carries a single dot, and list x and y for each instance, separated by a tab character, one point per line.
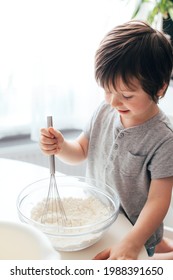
91	209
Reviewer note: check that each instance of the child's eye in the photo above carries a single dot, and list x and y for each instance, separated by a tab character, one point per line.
127	97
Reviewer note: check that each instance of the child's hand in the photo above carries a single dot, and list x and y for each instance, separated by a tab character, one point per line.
51	141
122	251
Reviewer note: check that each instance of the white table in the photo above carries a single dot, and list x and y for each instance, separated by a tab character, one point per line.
15	175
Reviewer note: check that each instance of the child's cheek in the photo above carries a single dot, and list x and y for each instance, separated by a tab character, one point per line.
108	98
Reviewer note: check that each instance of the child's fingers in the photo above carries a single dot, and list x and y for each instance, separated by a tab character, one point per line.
104	255
54	133
47	140
51	141
46	132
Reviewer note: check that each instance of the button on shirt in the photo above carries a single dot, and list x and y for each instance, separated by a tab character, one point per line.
128	158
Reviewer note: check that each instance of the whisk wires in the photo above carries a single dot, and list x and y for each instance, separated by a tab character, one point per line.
53	212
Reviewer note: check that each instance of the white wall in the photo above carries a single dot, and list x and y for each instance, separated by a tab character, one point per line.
166	103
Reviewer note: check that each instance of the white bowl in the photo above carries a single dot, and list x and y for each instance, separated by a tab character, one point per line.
23	242
91	223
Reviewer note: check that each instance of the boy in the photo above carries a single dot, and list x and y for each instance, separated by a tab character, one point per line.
128	142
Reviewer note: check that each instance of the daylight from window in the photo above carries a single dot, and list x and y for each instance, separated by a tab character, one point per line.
47	60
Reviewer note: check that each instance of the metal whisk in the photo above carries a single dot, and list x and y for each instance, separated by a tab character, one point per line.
53	211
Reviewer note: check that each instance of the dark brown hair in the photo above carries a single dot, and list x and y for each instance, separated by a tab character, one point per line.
135	50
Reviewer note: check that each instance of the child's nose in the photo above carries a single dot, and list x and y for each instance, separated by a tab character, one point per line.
116	100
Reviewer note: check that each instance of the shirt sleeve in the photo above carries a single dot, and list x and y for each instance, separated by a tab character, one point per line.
88	127
161	165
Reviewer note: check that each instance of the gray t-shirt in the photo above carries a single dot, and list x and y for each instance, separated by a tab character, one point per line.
127	159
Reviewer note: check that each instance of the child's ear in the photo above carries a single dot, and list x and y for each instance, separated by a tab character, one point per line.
162	90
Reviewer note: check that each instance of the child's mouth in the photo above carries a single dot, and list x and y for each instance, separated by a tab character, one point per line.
123	111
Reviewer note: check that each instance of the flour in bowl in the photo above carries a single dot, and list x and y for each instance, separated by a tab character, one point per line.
79	212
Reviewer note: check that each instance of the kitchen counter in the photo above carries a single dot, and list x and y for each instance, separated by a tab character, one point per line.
15	175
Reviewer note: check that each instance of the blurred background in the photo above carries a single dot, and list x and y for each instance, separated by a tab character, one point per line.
47	68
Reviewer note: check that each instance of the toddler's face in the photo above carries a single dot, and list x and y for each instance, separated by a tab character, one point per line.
135	106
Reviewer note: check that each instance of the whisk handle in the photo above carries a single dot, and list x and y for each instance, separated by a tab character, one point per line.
52	164
51	157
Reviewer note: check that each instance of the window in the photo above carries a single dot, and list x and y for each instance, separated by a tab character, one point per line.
47	60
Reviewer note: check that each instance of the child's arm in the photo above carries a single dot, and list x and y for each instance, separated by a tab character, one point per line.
148	221
71	152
